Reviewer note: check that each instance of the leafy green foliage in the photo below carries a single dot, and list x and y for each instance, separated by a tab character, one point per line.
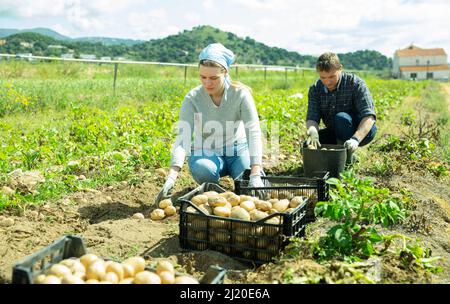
354	200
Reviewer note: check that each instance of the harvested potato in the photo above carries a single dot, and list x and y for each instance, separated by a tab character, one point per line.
39	279
128	270
248	205
146	277
240	213
111	277
185	280
127	281
138	216
68	262
210	193
157	214
170	210
191	210
271	211
165	203
71	279
116	268
243	198
96	270
81	275
137	262
217	201
199	199
222	211
87	259
233	198
273	220
164	266
167	277
206	209
60	270
256	215
51	279
281	205
295	201
263	205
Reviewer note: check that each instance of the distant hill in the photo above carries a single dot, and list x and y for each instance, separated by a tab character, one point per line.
183	47
48	32
43	31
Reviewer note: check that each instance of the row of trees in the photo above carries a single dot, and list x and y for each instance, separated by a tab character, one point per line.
184	48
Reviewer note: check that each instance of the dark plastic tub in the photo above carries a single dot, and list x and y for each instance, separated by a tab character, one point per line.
331	158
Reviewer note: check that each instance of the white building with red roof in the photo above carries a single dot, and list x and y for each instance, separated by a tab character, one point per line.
416	63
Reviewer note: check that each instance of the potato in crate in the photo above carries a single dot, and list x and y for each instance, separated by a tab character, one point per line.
243	227
286	187
65	261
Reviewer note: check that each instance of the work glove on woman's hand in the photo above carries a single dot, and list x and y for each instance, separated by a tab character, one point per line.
163	193
256	182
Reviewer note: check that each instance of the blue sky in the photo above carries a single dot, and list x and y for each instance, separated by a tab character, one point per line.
308	27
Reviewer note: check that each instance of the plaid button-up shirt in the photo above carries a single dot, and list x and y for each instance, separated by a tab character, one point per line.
351	96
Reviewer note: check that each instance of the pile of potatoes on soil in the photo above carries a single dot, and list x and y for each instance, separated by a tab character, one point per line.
166	209
91	269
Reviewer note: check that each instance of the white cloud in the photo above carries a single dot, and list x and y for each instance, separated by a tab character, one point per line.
208	5
309	27
151	25
193	18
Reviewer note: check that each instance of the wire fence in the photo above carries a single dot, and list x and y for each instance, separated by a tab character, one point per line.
185	66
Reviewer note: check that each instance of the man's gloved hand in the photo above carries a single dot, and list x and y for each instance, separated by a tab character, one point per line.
351	144
163	193
313	137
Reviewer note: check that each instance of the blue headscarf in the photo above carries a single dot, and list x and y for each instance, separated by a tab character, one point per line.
218	53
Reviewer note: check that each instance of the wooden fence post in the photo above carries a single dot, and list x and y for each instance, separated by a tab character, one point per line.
116	66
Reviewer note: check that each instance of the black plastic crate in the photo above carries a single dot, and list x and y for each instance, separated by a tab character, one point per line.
255	242
66	247
70	246
314	187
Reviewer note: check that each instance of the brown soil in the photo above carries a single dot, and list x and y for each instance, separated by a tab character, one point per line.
103	218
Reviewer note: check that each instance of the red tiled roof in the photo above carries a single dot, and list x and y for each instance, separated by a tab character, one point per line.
413	50
422	68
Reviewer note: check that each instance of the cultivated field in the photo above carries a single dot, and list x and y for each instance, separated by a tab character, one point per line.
78	158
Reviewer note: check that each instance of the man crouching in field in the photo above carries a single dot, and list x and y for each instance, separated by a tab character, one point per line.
344	103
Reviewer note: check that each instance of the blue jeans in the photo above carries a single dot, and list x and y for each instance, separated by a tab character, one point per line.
345	126
208	168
